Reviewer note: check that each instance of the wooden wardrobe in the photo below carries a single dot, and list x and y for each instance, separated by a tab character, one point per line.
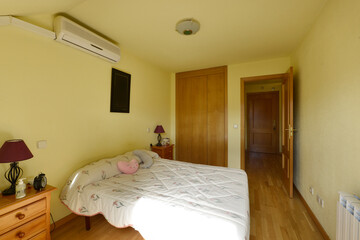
201	116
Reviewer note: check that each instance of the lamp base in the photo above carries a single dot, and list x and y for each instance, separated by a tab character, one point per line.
9	191
159	140
12	175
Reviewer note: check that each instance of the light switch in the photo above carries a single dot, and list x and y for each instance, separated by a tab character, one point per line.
148	130
41	144
236	126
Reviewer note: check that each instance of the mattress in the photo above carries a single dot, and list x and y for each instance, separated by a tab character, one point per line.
170	200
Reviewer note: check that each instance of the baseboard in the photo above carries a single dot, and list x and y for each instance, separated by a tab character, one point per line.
312	215
64	220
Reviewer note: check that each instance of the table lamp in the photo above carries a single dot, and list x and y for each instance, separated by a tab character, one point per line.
159	129
13	151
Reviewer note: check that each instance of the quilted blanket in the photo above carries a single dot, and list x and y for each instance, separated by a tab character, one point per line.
171	200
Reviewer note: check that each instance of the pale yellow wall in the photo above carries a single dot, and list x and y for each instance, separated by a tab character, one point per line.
263	87
49	91
327	112
235	72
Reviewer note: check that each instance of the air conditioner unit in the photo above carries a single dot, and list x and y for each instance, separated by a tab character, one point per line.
75	35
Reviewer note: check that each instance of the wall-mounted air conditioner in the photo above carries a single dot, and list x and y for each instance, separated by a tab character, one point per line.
75	35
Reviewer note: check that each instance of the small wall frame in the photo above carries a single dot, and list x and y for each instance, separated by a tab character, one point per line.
120	91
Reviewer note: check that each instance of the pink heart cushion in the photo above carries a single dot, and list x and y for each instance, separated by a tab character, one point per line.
128	167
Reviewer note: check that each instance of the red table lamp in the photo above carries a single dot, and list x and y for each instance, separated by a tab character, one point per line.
13	151
159	129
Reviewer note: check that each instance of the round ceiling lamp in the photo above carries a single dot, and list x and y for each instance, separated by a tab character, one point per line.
188	26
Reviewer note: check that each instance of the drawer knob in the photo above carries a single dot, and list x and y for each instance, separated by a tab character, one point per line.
20	234
20	216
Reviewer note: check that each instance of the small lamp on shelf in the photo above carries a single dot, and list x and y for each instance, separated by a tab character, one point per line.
13	151
159	129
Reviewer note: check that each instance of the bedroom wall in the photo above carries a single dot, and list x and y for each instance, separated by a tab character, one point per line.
49	91
235	72
327	111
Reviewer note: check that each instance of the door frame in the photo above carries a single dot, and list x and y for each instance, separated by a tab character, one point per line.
244	80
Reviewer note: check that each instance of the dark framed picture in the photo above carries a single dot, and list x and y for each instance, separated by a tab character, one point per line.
120	91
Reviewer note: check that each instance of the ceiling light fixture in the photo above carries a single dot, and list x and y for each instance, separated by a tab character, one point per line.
188	26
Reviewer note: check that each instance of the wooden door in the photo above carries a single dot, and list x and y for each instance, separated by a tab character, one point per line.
191	119
216	125
263	122
288	132
201	116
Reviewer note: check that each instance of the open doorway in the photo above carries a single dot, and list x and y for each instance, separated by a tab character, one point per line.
285	120
259	85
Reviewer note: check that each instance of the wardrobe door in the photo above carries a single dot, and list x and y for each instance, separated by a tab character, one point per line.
191	119
201	117
217	123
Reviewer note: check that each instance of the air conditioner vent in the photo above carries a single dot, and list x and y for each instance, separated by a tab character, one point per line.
75	35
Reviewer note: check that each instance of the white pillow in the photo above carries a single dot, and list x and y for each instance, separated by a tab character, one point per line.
130	155
90	173
152	154
146	160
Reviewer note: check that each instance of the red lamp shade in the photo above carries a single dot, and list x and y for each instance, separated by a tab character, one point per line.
159	129
14	150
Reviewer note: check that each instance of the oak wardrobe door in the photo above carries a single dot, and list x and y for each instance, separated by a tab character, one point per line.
191	124
217	130
201	116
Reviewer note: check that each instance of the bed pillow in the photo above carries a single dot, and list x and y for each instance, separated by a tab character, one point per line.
129	156
128	167
146	159
90	173
153	155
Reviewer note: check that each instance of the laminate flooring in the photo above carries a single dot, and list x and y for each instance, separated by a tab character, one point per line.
100	230
272	214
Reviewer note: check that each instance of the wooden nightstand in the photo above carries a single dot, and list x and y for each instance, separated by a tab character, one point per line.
28	217
164	151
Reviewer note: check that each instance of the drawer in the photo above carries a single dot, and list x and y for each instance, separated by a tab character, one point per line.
23	214
26	231
168	153
40	236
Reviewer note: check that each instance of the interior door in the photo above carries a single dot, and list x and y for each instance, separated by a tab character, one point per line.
288	132
263	121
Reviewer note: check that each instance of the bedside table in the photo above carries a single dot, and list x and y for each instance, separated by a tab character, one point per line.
164	151
28	217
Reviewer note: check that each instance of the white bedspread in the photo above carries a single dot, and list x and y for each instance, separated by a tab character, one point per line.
171	200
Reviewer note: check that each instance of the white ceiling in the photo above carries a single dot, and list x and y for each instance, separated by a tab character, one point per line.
231	31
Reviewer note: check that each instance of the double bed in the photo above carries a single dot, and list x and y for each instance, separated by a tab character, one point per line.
169	200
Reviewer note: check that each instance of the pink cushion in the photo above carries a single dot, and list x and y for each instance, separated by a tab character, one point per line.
128	167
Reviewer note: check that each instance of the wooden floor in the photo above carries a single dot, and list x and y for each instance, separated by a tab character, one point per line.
100	230
273	214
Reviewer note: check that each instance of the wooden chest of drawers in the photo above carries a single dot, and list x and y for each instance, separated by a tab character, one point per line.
26	218
164	151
